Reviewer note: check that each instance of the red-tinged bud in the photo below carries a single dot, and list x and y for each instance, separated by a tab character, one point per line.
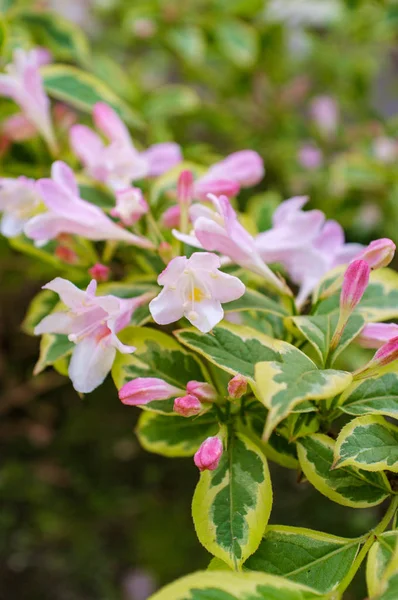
385	355
379	253
374	335
171	217
355	282
203	391
66	255
165	252
237	387
209	454
99	272
184	188
146	389
187	406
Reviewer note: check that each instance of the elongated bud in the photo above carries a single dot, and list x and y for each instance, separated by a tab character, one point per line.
203	391
209	454
237	387
379	253
185	187
385	355
146	389
355	282
99	272
187	406
374	335
171	217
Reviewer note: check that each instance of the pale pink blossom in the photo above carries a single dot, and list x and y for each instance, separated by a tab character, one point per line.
68	213
374	335
325	113
202	390
130	205
219	230
194	288
23	83
310	157
19	202
91	322
209	454
143	390
237	386
379	253
118	163
99	272
187	406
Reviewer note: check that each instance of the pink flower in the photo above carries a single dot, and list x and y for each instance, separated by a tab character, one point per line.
23	83
237	387
68	213
355	282
185	188
325	113
386	354
374	335
130	205
194	288
19	202
187	406
209	454
220	231
310	157
119	163
203	391
143	390
379	253
99	272
91	322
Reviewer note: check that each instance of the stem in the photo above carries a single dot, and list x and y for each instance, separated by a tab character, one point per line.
109	251
344	583
154	226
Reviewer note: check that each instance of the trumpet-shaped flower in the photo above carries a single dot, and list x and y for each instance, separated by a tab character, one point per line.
23	83
119	163
194	288
68	213
220	231
130	205
374	335
19	202
142	390
91	322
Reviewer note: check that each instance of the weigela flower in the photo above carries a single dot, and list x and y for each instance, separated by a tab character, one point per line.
194	288
119	163
379	253
355	282
130	205
143	390
187	406
91	322
202	390
209	454
374	335
23	83
19	202
68	213
237	387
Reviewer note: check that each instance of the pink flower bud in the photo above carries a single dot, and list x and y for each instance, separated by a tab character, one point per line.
203	391
379	253
237	386
209	454
184	187
171	217
386	354
374	335
99	272
146	389
325	113
66	254
355	282
310	157
218	187
187	406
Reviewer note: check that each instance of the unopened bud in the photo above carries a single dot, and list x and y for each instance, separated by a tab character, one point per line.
379	253
187	406
99	272
374	335
209	454
142	390
237	386
355	282
203	391
66	254
171	217
385	355
165	252
184	187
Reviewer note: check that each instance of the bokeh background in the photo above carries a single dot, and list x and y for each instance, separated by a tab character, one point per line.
85	514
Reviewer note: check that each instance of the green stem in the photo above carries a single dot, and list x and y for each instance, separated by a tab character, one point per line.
368	544
154	226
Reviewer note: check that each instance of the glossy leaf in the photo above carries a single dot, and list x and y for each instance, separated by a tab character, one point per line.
253	300
42	304
347	486
96	195
375	395
52	348
232	504
381	558
279	450
369	442
313	558
224	585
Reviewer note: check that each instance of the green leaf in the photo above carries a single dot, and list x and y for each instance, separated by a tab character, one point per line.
347	486
375	395
82	90
225	585
298	425
292	378
41	306
368	442
170	101
45	254
279	450
96	195
318	330
174	435
231	505
188	42
318	560
238	42
381	559
157	355
52	348
3	34
253	300
63	38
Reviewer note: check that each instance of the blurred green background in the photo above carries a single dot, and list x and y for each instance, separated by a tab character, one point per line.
85	513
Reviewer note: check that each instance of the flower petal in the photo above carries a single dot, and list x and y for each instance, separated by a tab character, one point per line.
90	364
